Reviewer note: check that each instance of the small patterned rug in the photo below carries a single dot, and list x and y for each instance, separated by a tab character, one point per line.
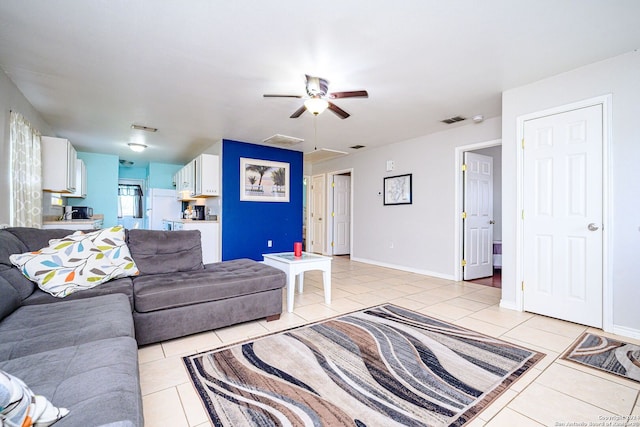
383	366
607	354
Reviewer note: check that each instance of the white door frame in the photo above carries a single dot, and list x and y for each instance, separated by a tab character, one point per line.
329	205
458	233
607	292
307	214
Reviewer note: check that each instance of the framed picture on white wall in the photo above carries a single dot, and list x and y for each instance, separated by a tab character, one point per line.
397	190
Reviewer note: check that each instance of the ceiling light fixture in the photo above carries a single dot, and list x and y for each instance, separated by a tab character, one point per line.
316	105
137	147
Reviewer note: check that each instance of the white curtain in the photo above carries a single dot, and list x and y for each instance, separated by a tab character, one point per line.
26	173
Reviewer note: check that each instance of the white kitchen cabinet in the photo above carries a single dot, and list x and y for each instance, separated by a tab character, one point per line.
58	165
81	181
188	177
207	175
199	178
185	184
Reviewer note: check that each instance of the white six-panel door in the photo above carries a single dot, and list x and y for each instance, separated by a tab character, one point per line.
478	208
317	214
562	215
341	214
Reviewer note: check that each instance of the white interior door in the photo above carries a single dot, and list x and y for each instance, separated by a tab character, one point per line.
562	225
317	214
478	223
341	214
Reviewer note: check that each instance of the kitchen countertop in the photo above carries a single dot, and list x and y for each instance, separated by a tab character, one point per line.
71	221
56	221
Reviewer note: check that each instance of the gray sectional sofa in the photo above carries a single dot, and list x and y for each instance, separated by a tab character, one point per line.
81	351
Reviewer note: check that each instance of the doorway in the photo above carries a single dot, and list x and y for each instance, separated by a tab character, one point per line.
479	213
131	203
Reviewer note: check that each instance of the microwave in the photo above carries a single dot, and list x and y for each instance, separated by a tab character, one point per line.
82	212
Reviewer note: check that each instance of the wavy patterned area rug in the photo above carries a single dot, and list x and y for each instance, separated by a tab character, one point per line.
382	366
607	354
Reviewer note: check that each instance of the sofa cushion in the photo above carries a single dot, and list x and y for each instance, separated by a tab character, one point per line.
17	240
158	252
97	381
217	281
9	298
36	238
19	406
66	266
9	245
39	328
120	286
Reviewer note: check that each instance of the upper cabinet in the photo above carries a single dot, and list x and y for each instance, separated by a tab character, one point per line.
81	181
199	178
58	165
207	176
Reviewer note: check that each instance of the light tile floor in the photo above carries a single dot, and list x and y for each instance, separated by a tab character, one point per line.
554	393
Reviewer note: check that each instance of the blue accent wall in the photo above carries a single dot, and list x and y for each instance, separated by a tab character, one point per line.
247	226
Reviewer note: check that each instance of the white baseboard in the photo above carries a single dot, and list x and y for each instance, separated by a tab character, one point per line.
404	268
626	332
511	305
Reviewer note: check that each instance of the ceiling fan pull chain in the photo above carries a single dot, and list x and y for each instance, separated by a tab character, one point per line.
315	132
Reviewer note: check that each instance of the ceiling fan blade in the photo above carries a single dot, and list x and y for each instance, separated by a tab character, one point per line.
338	111
349	94
298	112
281	96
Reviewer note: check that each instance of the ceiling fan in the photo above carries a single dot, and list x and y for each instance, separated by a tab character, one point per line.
318	98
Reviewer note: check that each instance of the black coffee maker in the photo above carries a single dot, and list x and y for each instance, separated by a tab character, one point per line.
199	212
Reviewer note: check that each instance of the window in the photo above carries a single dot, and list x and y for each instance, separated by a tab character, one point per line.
129	200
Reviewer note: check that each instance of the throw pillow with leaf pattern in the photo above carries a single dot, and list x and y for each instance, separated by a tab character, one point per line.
111	241
67	265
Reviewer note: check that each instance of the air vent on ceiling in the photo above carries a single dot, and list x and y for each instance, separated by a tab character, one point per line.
283	140
356	147
322	154
144	128
453	120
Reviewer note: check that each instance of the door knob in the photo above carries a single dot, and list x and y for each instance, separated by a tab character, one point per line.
492	222
592	227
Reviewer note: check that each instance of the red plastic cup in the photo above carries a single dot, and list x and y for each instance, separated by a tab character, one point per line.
297	249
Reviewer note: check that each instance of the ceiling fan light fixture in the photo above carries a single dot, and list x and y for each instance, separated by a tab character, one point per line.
316	105
138	148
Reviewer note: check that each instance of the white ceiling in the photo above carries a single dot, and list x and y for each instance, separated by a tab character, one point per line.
197	69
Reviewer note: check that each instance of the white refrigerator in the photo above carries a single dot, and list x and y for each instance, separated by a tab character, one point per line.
161	204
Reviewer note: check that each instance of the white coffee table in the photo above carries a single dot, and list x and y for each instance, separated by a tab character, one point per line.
296	266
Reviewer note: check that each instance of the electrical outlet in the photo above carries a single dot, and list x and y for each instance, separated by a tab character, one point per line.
269	243
391	245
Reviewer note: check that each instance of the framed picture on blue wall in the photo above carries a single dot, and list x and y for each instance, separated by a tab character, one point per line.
263	180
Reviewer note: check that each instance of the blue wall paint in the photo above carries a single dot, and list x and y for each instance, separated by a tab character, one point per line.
132	173
161	175
102	186
247	226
